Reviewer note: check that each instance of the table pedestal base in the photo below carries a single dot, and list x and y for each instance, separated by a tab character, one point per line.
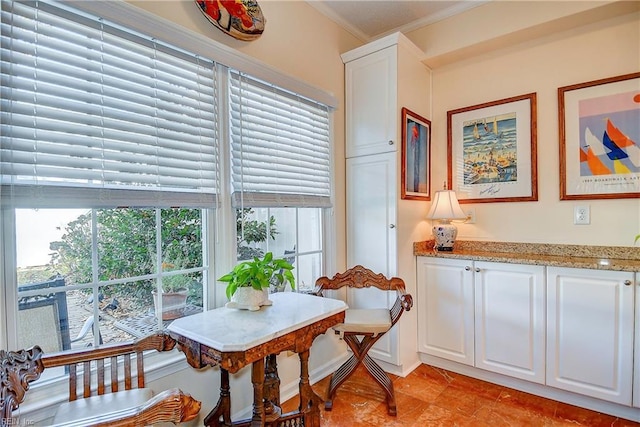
266	398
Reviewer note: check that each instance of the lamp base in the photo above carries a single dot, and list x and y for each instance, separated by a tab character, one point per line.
445	235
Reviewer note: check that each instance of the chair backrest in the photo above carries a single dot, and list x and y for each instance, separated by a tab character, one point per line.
362	277
43	319
87	365
17	370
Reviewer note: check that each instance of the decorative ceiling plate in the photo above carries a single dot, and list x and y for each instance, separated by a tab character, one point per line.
241	19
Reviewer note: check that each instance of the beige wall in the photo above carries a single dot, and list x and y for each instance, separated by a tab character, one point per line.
588	45
297	41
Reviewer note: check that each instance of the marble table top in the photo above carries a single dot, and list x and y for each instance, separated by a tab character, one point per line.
228	329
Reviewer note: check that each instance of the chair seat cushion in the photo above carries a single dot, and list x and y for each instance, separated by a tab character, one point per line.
366	321
87	411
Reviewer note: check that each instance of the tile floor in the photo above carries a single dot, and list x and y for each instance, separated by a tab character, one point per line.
430	397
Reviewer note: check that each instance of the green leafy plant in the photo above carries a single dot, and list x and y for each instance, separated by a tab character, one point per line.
637	238
258	274
175	283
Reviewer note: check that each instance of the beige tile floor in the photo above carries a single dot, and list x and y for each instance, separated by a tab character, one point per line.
434	397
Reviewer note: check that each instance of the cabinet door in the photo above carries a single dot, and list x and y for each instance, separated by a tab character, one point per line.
510	319
371	234
371	101
445	309
371	212
636	359
590	332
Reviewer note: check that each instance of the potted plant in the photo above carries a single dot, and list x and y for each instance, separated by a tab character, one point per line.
175	290
248	282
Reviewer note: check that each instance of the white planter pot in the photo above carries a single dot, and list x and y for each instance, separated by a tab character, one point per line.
249	299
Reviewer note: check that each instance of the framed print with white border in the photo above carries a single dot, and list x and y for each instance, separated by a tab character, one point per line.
492	151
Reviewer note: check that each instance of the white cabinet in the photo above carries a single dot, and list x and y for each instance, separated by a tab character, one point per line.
371	233
371	98
510	319
445	309
590	332
484	314
636	359
380	79
371	221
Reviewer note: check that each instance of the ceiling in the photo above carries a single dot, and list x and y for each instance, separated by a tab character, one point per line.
371	19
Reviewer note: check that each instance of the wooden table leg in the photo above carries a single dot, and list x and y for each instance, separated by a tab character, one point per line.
257	379
271	389
220	415
309	400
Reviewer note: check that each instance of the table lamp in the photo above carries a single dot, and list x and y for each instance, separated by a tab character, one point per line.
444	208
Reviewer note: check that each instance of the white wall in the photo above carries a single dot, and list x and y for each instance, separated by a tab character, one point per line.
590	42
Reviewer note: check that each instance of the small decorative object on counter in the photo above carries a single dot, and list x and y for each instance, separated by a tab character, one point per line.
445	207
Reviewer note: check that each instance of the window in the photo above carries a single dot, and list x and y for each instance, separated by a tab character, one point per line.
295	234
108	164
280	160
66	300
112	182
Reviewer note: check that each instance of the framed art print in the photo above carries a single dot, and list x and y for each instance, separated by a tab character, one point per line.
600	139
416	148
492	151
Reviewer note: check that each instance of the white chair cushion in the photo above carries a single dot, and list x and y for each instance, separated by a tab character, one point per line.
366	321
84	411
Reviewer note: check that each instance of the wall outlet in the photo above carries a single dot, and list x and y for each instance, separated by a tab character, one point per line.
471	215
581	215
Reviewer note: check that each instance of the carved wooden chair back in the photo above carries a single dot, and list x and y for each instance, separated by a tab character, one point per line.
88	367
362	328
17	370
362	277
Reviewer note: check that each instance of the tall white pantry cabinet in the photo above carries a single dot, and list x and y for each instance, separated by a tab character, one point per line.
381	78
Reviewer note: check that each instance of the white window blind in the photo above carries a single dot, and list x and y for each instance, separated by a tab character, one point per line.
101	116
280	150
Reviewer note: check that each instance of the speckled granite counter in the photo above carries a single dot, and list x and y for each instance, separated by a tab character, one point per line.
620	258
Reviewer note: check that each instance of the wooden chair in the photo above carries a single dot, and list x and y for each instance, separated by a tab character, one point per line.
106	397
17	370
363	327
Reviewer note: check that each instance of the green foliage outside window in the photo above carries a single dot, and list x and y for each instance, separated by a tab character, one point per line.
126	248
250	231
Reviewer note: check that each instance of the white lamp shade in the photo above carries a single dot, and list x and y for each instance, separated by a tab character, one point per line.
445	206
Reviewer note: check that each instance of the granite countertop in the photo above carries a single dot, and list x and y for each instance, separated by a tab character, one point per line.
617	258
